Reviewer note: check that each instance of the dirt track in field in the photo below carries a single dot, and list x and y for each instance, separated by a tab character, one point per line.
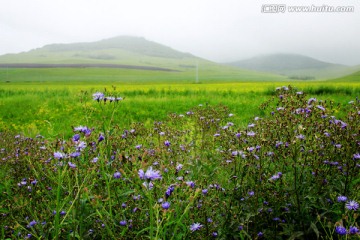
81	65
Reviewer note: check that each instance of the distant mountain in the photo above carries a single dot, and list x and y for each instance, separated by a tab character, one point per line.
138	45
125	50
294	66
130	53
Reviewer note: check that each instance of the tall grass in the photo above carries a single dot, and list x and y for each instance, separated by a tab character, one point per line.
49	112
291	173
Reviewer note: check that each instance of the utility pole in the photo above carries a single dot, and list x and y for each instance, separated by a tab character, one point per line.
197	72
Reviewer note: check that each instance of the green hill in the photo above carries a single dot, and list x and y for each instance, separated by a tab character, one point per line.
136	45
118	50
131	51
354	77
295	66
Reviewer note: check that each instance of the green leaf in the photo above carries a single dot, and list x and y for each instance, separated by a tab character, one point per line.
296	235
314	228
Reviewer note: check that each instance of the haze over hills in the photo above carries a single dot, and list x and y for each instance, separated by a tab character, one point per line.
129	52
118	50
140	53
295	66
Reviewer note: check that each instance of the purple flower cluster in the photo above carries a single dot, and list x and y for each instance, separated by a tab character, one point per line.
99	96
83	129
150	174
342	230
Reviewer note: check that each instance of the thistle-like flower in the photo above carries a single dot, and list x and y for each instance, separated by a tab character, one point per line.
98	96
150	174
195	227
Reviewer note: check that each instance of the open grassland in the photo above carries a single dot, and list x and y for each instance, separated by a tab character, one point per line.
49	101
292	173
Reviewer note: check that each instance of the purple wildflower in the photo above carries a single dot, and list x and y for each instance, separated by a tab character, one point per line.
59	155
204	191
353	230
251	134
72	165
169	191
165	205
32	223
101	138
251	193
76	137
80	128
352	205
214	234
117	175
301	137
356	156
195	227
75	154
150	174
341	199
148	185
167	143
311	100
123	223
276	176
98	96
190	184
179	167
230	124
250	149
141	174
81	146
320	107
340	230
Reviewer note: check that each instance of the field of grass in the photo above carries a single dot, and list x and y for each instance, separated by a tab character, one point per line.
229	157
209	172
48	101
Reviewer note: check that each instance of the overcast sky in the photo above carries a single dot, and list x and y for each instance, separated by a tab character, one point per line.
219	30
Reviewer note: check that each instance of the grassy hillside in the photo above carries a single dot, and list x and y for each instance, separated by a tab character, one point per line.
295	66
354	77
121	50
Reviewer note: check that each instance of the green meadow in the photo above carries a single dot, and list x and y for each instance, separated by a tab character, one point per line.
227	156
49	101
